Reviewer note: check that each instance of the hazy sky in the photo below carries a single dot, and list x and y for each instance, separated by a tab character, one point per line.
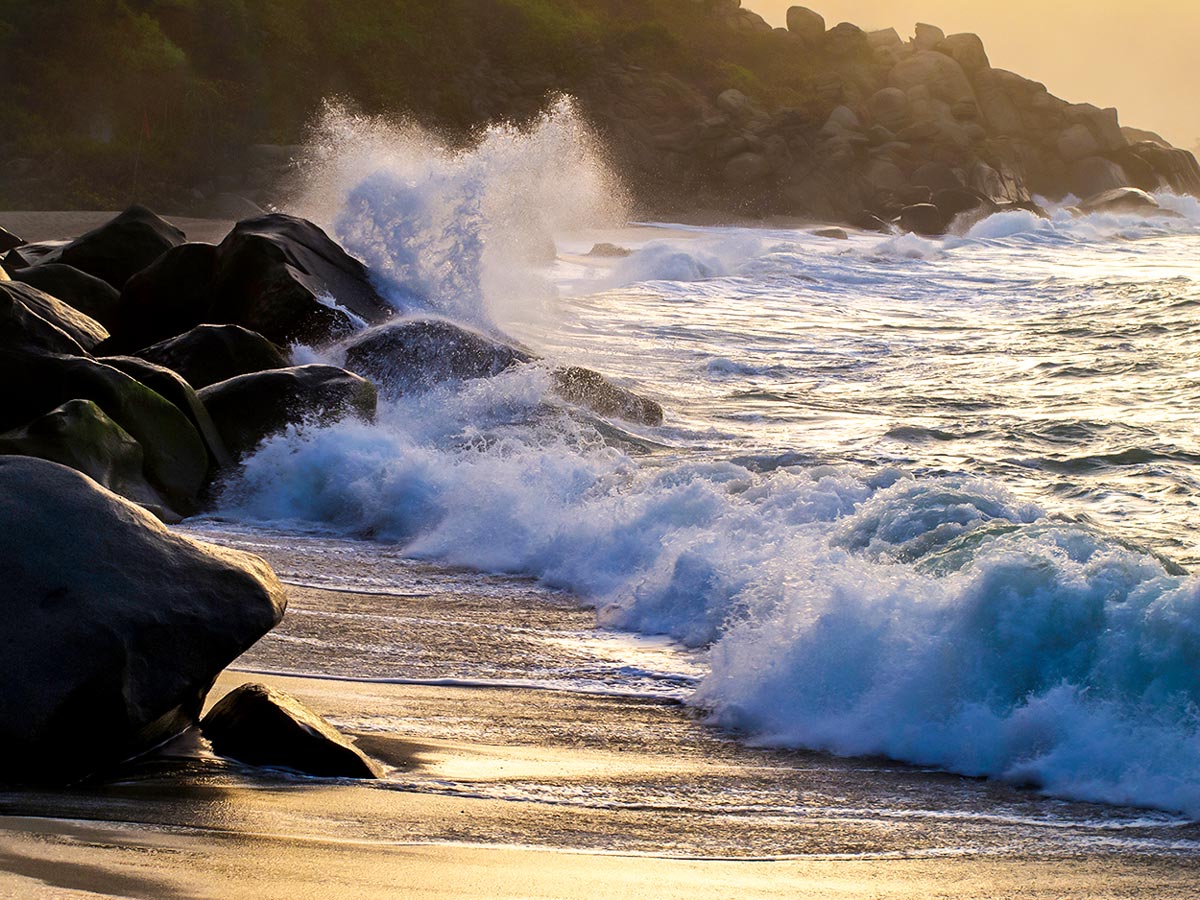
1141	56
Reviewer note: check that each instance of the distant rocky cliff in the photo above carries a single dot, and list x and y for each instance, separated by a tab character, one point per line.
704	107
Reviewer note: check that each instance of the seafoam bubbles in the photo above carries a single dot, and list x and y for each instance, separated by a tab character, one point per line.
461	231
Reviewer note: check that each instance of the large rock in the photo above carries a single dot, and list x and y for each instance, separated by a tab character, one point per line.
94	298
171	386
890	108
966	50
166	298
78	434
84	331
941	75
1095	175
416	354
211	353
114	628
924	218
591	390
261	726
176	461
1077	142
250	408
121	248
927	36
23	330
806	24
1172	168
8	240
284	278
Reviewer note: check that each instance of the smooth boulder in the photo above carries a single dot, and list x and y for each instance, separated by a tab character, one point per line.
416	354
114	629
8	240
122	247
24	331
250	408
261	726
82	329
165	299
170	386
94	298
176	461
78	434
1121	200
925	219
286	279
210	353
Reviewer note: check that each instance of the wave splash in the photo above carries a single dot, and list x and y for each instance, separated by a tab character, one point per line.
458	231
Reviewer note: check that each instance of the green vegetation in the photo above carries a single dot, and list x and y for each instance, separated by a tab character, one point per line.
116	97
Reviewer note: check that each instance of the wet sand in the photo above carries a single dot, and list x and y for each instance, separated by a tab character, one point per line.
55	225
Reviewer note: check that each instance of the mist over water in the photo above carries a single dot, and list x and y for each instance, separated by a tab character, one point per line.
932	499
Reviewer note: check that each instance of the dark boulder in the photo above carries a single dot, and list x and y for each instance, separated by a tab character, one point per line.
261	726
176	462
78	434
119	249
937	176
114	629
415	354
24	331
956	201
83	330
591	390
250	408
94	298
1174	168
170	386
13	261
166	298
8	240
284	278
211	353
924	218
1120	200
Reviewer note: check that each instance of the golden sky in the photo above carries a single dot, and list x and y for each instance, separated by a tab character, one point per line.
1141	56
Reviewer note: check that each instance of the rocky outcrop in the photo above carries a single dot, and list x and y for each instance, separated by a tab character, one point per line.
249	408
210	353
261	726
593	391
807	25
86	333
1120	200
114	628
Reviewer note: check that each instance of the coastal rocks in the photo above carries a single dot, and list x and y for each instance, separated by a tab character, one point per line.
121	248
260	726
966	50
942	76
113	628
84	331
79	435
927	37
284	278
924	218
23	331
8	240
94	298
166	298
1120	200
210	353
1096	175
593	391
806	24
176	461
416	354
249	408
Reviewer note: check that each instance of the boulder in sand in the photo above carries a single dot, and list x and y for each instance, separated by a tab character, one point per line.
94	298
211	353
261	726
114	629
119	249
250	408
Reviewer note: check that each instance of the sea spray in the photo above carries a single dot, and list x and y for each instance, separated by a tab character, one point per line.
459	231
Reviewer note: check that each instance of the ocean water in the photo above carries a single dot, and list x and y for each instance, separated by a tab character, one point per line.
928	500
